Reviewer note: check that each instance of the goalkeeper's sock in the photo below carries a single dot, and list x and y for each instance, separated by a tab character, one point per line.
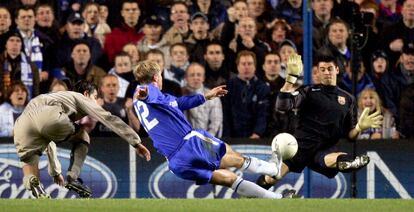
257	166
248	189
77	157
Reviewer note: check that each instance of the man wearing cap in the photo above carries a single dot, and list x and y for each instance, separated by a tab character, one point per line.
199	38
127	32
153	38
74	32
396	81
15	66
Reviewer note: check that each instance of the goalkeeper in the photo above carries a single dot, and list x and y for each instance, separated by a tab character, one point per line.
326	114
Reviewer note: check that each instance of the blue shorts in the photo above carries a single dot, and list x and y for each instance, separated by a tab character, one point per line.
198	157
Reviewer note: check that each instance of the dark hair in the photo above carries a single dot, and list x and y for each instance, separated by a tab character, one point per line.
81	42
211	43
324	55
15	85
25	8
122	54
83	86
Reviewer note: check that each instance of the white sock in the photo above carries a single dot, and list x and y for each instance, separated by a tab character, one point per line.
249	189
257	166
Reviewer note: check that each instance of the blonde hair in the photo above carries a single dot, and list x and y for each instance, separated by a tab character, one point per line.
145	71
374	94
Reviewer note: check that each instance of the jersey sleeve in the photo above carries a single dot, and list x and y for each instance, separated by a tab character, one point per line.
188	102
54	166
288	101
106	118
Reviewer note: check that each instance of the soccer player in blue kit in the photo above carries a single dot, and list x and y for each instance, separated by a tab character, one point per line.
194	154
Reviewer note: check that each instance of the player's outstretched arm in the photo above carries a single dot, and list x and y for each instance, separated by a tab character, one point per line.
366	121
218	91
143	152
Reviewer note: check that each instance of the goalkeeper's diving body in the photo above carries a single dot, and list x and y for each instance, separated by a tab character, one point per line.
49	119
326	114
194	154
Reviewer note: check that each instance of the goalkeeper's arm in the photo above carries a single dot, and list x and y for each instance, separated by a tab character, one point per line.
294	70
366	121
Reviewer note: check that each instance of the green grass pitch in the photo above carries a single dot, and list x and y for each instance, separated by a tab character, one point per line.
197	205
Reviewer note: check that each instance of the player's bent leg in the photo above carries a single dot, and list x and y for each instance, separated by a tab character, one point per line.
31	181
248	164
345	163
266	181
240	186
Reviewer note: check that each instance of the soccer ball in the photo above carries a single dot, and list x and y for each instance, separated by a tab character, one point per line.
288	146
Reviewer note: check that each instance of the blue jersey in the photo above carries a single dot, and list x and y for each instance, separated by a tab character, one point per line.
162	117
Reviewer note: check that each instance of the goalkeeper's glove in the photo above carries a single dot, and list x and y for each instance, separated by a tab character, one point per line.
294	68
369	121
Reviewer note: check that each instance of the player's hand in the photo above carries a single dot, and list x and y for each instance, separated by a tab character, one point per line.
294	68
143	152
367	121
142	93
218	91
59	180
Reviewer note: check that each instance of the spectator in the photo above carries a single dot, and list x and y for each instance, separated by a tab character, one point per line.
389	13
5	23
179	63
322	10
246	104
216	13
58	85
363	80
80	65
199	38
16	100
15	66
94	25
394	37
133	52
46	23
257	10
126	33
168	86
337	42
247	40
73	34
278	31
290	10
180	30
379	66
37	46
123	70
278	121
394	82
208	116
217	70
407	112
109	88
153	38
370	98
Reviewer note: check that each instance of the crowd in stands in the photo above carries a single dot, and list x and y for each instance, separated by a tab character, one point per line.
48	45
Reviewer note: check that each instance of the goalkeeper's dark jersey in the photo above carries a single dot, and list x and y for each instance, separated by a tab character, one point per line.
326	114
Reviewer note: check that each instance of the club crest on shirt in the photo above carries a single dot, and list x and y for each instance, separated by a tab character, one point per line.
341	100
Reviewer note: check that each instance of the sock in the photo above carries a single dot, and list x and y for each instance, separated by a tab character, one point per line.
249	189
77	157
257	166
26	181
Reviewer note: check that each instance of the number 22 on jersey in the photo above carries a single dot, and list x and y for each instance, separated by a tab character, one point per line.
143	113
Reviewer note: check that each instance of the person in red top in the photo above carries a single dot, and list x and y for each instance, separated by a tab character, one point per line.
126	33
